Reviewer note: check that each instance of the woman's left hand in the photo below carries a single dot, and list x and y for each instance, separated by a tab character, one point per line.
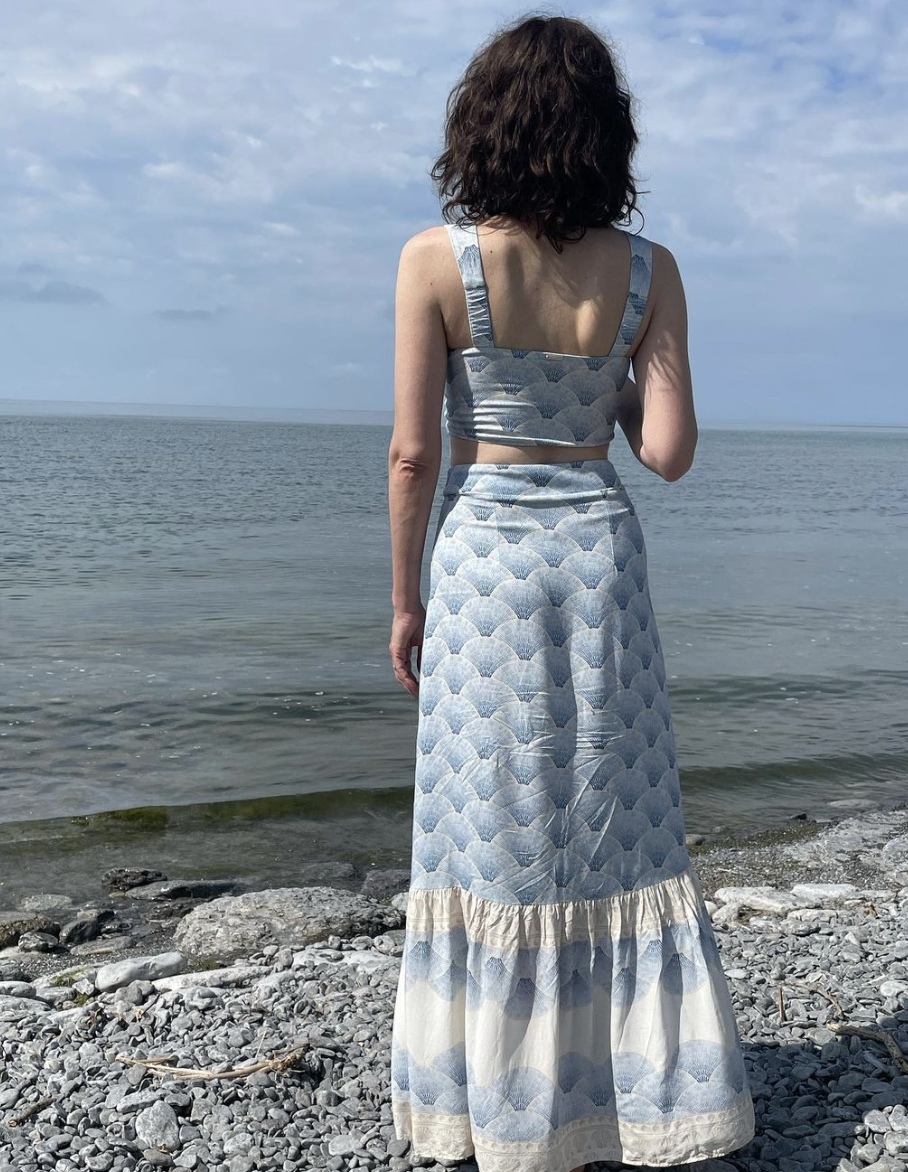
406	633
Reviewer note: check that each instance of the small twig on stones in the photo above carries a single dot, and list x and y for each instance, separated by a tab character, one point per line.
781	1004
842	1027
876	1035
158	1065
27	1112
823	993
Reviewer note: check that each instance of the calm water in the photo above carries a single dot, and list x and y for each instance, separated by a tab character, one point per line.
195	613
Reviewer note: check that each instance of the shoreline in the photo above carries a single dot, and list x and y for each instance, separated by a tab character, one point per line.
293	988
778	856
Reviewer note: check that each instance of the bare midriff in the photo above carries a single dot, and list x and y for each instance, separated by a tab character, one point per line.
468	451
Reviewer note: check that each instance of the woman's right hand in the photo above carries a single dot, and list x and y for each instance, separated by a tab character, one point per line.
407	631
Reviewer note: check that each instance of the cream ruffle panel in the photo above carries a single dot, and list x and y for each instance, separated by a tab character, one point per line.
536	1038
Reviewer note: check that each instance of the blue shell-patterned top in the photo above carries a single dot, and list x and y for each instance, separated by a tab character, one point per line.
525	397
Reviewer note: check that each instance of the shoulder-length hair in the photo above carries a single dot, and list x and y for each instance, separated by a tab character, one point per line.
540	128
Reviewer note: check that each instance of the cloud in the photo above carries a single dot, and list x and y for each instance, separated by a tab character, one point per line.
50	293
189	315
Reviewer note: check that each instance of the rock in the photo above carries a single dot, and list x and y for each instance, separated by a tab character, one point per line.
17	923
38	942
102	945
369	961
186	889
125	878
763	899
17	989
238	925
400	901
14	1007
157	1127
894	852
382	884
86	926
343	1145
821	893
139	968
11	969
47	901
237	974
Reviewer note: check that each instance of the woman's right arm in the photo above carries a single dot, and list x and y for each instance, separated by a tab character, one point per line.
657	408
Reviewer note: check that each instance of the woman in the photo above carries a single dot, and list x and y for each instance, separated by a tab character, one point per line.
561	997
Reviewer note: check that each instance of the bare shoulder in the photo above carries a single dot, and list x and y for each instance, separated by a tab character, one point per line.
425	246
666	274
663	258
666	302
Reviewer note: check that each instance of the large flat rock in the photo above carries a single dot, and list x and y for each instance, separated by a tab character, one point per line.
238	925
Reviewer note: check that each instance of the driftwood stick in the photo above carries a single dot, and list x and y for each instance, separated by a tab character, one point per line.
877	1035
874	1034
158	1065
26	1113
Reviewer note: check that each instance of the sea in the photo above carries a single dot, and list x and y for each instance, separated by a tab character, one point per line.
195	610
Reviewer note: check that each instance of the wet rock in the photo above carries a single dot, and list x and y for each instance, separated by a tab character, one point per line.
103	945
125	878
38	942
186	889
47	901
86	926
382	884
15	924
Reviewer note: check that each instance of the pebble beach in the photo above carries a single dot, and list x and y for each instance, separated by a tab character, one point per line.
191	1023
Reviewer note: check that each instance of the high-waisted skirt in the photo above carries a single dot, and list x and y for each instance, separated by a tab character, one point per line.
561	996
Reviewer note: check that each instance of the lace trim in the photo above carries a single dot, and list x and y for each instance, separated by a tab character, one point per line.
451	1137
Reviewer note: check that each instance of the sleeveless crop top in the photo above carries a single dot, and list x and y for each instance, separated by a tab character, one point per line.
525	397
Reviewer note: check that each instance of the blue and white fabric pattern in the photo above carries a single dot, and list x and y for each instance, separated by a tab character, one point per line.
561	996
525	397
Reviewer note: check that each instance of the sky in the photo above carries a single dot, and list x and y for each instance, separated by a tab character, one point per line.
204	203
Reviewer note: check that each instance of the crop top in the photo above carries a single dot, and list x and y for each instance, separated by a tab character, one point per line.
525	397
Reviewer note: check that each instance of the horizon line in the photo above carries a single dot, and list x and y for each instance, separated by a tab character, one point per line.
375	415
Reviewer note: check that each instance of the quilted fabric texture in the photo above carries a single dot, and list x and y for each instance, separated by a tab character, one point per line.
524	397
561	996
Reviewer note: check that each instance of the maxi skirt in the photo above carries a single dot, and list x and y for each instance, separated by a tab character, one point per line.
561	996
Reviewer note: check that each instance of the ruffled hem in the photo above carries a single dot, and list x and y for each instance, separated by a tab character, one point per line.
674	900
584	1141
542	1037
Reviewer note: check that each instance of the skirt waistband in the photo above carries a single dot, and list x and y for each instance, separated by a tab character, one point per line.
568	481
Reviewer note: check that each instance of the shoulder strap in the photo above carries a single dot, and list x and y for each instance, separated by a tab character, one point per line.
465	242
637	294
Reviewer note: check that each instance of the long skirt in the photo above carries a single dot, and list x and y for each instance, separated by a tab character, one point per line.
561	995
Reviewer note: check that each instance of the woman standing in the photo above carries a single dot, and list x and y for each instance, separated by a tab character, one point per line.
561	997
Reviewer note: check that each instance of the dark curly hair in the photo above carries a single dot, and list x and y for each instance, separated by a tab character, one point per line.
539	128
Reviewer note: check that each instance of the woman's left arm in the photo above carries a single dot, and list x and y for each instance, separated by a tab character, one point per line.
414	457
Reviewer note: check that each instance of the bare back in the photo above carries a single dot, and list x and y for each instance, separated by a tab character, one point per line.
570	303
